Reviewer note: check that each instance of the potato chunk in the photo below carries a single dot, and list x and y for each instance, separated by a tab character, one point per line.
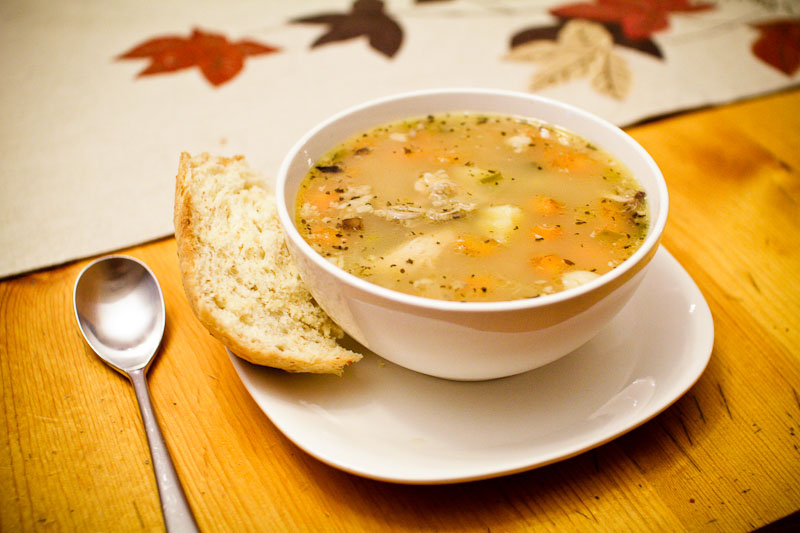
499	221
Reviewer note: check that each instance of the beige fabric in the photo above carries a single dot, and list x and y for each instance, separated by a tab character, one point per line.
89	149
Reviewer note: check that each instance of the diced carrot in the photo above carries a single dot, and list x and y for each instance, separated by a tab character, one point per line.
545	205
612	216
325	236
548	266
472	245
480	284
321	199
546	231
566	159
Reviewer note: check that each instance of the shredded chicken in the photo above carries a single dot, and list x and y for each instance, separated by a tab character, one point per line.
400	212
436	186
633	201
444	203
356	200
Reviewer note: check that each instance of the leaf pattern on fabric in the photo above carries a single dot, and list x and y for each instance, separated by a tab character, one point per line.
647	46
218	59
582	49
639	19
366	18
613	77
778	44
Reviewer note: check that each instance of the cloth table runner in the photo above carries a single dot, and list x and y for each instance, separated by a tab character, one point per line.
100	98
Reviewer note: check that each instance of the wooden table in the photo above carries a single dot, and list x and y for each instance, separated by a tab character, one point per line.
725	457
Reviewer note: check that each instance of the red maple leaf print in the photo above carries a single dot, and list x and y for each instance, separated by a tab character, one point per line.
639	19
218	60
779	44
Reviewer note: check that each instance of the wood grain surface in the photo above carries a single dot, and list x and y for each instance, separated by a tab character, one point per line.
725	457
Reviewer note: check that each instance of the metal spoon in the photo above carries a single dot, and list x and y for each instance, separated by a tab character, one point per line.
120	311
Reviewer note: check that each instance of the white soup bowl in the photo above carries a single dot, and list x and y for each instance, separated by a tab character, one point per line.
468	340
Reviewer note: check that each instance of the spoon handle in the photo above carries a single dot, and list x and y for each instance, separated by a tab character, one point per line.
177	513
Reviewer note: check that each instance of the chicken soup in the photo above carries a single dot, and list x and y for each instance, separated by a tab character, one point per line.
472	207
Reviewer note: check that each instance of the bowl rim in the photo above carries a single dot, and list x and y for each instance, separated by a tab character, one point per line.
652	240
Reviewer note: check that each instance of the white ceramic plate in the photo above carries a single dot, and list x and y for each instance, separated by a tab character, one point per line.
384	422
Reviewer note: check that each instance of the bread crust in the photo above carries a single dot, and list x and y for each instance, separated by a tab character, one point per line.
329	357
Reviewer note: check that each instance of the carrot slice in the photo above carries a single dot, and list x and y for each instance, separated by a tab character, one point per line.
548	266
480	284
546	205
613	217
566	159
325	236
546	231
321	199
474	246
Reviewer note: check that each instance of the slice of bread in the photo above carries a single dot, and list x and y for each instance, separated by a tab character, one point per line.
238	275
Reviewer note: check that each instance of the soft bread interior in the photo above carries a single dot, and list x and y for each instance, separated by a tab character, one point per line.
238	274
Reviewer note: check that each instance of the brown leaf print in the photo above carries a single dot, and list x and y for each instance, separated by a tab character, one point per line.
535	33
582	49
218	59
366	18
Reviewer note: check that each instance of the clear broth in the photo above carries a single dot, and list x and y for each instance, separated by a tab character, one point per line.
472	207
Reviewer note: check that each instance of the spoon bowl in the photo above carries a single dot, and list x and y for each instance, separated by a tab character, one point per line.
120	311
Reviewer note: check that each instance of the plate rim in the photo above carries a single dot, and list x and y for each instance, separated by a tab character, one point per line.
681	385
